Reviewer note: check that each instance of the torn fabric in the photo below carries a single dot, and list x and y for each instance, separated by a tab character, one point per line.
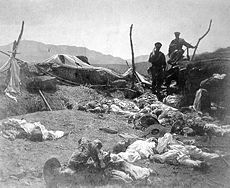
12	66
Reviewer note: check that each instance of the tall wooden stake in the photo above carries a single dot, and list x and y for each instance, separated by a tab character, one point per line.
210	23
133	65
16	43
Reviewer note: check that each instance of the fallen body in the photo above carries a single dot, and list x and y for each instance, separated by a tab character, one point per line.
166	150
90	164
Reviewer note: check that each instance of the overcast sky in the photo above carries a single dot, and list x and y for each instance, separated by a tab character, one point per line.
103	25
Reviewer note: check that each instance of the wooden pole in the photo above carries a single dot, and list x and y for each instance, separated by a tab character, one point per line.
9	56
127	63
16	43
209	27
133	65
44	99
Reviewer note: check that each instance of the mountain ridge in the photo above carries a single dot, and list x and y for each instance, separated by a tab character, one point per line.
33	51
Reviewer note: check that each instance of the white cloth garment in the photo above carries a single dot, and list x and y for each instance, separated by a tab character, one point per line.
175	152
128	172
140	149
218	130
18	126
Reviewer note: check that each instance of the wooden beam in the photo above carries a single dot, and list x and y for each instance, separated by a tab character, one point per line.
9	56
20	35
44	99
127	63
16	43
209	27
133	65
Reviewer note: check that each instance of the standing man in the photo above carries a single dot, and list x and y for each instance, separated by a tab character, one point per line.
157	59
175	48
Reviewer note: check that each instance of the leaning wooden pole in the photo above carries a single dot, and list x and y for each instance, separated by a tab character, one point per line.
127	64
209	27
16	43
44	99
133	65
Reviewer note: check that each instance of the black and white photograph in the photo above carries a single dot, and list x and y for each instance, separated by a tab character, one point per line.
114	93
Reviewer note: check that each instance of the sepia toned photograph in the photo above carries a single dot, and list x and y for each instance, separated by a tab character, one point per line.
114	93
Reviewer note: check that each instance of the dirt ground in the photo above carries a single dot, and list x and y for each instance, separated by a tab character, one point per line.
21	161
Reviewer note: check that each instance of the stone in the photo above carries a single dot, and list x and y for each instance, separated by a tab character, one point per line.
213	82
218	87
202	101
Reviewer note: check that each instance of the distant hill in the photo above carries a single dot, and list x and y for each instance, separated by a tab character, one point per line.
121	68
219	53
142	66
138	59
32	51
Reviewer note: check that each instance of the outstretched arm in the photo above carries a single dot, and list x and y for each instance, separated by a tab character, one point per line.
187	44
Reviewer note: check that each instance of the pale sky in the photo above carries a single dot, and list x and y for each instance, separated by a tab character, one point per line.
103	25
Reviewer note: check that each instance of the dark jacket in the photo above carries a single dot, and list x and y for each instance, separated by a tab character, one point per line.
157	60
177	44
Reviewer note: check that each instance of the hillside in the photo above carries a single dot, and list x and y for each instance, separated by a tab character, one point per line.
222	53
219	53
32	51
121	68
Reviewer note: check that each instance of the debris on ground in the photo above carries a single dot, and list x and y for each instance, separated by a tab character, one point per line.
215	130
108	130
152	116
105	106
173	100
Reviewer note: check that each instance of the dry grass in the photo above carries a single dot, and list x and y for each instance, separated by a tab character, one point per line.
64	97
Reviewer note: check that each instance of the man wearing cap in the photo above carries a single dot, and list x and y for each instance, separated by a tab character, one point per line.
157	59
175	47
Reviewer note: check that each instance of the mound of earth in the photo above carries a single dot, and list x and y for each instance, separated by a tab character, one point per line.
65	97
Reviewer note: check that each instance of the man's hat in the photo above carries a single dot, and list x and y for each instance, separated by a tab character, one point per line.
177	33
158	44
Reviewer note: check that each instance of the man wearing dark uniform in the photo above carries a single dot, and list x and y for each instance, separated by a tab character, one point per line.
175	48
157	59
